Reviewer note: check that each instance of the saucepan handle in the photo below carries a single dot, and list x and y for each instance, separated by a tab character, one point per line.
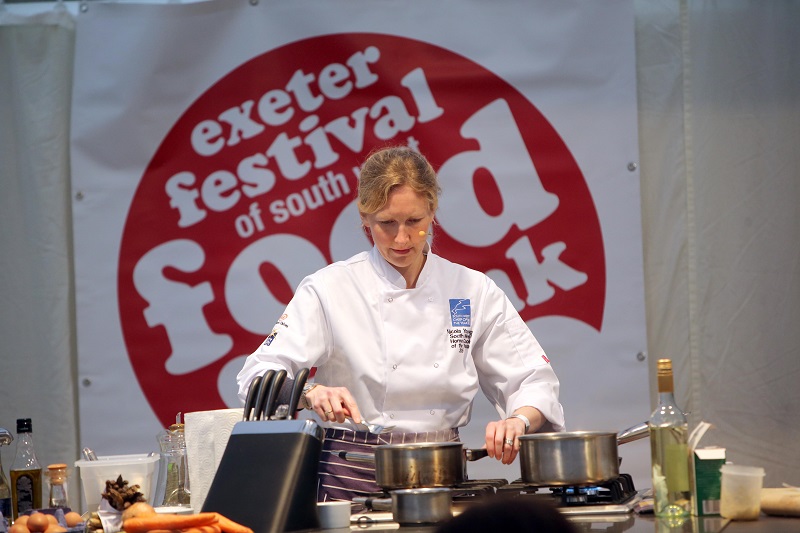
639	431
374	504
475	454
357	456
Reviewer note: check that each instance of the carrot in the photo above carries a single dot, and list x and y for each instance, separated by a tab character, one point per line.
211	528
143	524
229	526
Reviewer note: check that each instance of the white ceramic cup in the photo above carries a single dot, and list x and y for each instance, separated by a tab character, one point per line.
740	493
334	515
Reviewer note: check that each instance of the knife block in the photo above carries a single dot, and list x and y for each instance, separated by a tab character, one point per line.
267	477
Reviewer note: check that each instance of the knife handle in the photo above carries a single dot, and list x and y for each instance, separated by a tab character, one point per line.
252	392
262	394
297	391
272	394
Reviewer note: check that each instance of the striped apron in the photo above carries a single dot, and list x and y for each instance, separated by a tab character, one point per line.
340	479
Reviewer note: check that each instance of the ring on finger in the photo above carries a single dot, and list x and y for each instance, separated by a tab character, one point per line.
509	442
328	413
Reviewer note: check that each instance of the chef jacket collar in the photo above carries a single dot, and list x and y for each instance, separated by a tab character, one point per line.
390	274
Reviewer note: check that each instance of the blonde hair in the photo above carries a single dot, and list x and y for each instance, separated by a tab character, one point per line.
388	168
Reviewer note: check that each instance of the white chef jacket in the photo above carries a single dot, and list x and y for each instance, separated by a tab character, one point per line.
412	358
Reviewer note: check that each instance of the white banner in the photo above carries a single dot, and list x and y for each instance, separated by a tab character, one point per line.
215	152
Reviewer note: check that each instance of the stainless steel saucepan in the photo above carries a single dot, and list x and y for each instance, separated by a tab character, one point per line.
574	458
408	466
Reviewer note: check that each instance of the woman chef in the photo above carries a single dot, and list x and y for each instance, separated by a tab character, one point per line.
403	337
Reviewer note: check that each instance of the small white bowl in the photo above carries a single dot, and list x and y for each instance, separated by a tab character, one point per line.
334	515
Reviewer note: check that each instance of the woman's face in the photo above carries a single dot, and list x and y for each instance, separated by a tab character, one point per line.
396	230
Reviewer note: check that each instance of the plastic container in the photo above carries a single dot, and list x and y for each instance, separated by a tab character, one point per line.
137	469
740	494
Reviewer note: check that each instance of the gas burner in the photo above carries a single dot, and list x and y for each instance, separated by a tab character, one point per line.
615	492
473	491
491	482
617	496
467	492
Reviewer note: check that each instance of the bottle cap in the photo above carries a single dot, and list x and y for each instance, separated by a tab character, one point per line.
57	472
664	376
24	425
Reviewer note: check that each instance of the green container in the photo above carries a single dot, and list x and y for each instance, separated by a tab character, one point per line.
707	480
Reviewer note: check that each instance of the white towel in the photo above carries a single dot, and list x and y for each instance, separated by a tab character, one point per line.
207	434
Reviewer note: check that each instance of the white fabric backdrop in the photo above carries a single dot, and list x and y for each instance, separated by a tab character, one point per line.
38	357
719	104
718	117
108	116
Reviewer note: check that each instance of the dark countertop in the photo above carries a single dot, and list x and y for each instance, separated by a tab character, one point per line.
632	523
766	524
709	524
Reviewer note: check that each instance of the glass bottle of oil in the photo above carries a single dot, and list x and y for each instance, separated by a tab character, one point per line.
5	493
671	462
26	473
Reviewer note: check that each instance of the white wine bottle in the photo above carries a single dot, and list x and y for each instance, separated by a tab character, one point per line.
671	462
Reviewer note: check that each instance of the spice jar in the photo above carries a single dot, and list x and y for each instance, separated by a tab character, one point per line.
57	474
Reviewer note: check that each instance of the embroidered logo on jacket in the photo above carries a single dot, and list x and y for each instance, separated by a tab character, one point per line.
460	313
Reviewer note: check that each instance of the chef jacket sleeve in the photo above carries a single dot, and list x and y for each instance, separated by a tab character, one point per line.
300	339
512	367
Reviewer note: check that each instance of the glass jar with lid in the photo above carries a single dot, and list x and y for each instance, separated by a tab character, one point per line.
59	495
174	475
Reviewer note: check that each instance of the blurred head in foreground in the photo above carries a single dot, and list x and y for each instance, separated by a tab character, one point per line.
509	514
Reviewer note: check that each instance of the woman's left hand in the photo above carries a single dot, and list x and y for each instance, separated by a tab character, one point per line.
502	439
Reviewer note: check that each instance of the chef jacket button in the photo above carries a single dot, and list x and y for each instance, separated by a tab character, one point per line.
394	367
391	299
433	412
435	365
391	416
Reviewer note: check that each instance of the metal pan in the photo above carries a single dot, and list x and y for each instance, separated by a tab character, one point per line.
414	507
409	466
573	458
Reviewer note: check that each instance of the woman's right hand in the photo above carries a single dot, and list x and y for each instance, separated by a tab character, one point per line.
333	404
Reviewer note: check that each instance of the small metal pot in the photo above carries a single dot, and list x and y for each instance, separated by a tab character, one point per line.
413	507
422	506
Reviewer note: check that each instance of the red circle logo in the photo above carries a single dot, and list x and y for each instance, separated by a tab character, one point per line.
253	188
